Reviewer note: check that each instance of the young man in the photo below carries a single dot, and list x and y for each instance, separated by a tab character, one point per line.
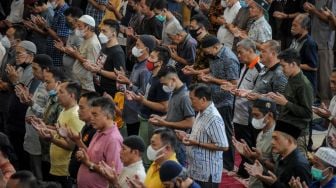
296	102
207	140
263	118
106	139
137	81
115	59
180	114
154	100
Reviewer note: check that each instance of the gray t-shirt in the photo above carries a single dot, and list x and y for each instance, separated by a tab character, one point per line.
179	106
73	41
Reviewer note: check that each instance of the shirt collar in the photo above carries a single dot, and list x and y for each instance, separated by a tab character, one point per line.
208	110
183	87
289	157
109	130
138	163
254	62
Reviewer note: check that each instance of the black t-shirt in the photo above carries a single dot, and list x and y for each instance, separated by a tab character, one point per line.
154	93
151	26
115	59
87	134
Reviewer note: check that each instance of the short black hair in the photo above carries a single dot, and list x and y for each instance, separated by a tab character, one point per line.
290	55
20	32
74	88
163	54
158	4
167	136
90	96
164	71
73	12
201	90
105	104
58	75
112	24
201	20
25	179
40	2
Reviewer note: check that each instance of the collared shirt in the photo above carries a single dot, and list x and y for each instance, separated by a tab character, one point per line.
62	30
293	165
330	184
246	81
202	163
104	146
322	33
226	67
331	128
152	179
264	144
271	80
31	142
223	34
16	13
260	30
130	171
59	157
89	49
298	110
139	77
94	12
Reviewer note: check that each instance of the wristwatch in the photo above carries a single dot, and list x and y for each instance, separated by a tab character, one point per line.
91	167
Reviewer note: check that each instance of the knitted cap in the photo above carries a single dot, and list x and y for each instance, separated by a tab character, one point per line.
170	170
28	46
327	155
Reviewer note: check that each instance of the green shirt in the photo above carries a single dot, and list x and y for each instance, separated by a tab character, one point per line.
298	110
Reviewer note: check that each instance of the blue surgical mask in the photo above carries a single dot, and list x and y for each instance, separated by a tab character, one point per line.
161	18
317	174
52	92
243	3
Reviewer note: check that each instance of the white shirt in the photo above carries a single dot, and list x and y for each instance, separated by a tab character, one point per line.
16	13
130	171
332	128
223	34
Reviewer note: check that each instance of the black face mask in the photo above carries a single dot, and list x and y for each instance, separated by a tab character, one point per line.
193	32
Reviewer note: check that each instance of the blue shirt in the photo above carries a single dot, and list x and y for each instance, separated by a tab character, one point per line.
330	184
226	67
62	30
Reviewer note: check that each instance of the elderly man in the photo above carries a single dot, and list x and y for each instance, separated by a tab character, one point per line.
323	170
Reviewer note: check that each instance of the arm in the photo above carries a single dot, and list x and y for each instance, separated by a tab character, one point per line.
279	82
60	142
157	106
184	124
216	131
100	5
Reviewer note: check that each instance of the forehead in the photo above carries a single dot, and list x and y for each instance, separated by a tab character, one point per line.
10	31
333	76
154	54
35	65
255	110
83	101
139	42
96	109
20	49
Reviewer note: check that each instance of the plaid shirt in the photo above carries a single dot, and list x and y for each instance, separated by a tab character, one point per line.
95	13
58	24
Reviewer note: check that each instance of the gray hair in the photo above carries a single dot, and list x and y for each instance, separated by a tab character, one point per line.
248	44
274	46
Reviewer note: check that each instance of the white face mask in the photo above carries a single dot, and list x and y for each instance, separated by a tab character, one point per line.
5	42
137	52
167	89
79	33
152	153
103	38
258	123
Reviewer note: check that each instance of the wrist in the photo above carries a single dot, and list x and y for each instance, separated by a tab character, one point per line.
330	118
